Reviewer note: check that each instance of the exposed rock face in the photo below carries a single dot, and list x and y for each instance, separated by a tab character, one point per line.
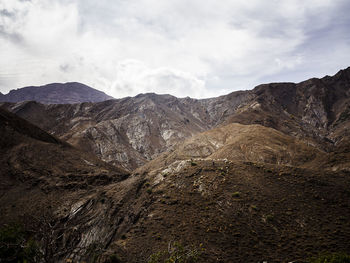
130	131
56	93
135	130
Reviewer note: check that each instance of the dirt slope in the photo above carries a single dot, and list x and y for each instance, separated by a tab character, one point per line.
237	142
239	212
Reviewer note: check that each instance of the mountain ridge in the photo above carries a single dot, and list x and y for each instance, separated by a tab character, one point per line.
56	93
134	130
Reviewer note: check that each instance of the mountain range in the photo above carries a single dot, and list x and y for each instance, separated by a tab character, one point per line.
131	131
252	176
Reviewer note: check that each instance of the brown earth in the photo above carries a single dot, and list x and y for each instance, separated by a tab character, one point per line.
240	212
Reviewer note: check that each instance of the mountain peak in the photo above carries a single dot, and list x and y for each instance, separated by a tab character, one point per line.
56	93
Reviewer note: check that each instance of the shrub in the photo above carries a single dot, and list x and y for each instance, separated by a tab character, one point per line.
270	218
114	259
94	252
236	194
331	258
17	246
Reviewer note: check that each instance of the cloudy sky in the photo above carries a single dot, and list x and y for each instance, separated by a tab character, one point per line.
182	47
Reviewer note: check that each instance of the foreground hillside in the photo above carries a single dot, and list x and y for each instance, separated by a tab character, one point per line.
44	182
240	212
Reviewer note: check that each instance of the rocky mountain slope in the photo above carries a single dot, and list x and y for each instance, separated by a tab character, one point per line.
44	183
132	131
56	93
129	131
237	142
316	109
253	176
251	207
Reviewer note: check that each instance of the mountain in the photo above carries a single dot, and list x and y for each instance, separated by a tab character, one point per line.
249	207
134	130
56	93
253	176
129	131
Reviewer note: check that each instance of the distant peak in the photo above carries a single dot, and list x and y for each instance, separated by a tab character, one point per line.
57	93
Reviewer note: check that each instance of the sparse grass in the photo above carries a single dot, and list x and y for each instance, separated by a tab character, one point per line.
331	258
178	253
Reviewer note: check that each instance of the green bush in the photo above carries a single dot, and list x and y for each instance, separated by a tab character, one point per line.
17	246
254	207
331	258
236	194
270	218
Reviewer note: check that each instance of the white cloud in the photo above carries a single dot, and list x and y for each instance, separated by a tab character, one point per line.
185	48
134	77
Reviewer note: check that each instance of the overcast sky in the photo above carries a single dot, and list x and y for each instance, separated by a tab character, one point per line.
196	48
